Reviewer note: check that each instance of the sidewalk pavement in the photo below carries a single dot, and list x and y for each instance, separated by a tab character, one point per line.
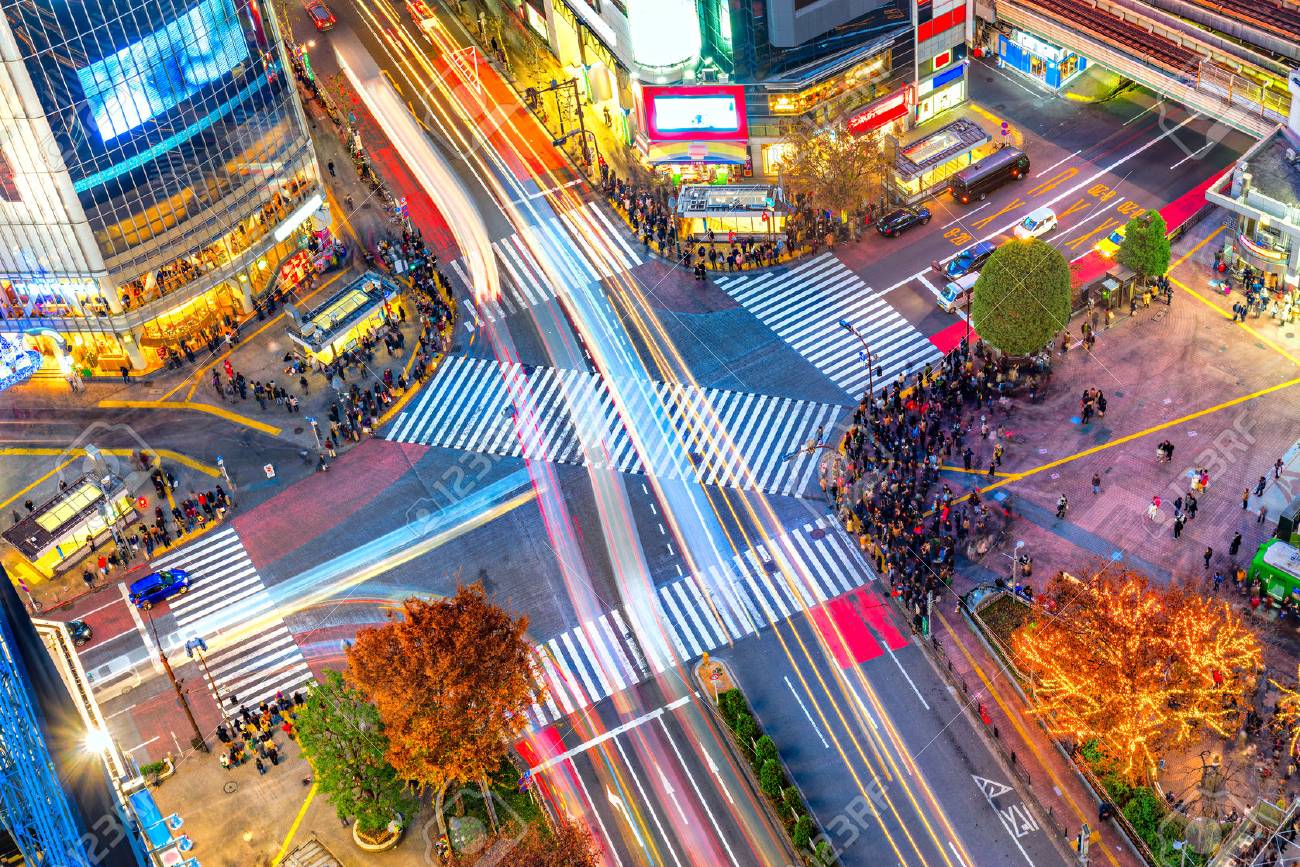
238	818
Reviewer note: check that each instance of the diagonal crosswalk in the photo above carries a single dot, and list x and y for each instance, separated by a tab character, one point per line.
734	439
697	614
804	304
226	592
601	252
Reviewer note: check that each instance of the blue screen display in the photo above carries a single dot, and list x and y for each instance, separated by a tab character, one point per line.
165	68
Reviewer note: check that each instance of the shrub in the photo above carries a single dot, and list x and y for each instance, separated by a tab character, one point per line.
802	833
771	779
153	769
732	704
823	854
1145	811
746	729
1118	789
791	798
765	749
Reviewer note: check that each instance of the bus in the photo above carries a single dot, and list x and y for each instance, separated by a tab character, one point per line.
978	180
1277	565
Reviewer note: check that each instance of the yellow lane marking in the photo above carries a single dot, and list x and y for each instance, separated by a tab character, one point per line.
1106	226
1053	182
1272	344
60	466
1015	722
220	412
166	454
1024	474
293	829
1208	238
983	222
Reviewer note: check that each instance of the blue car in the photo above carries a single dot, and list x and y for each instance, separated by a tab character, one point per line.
970	259
159	586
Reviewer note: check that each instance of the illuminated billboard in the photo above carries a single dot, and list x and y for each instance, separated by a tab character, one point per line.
707	113
165	68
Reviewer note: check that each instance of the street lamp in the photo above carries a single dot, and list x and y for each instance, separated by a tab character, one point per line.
865	355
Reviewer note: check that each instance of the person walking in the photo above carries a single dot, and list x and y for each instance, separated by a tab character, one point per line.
261	768
1153	510
1218	579
1259	487
1277	469
1245	499
1179	520
1235	545
1096	483
1061	505
1208	556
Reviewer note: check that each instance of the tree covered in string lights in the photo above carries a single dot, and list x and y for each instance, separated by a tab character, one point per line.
1288	710
1138	669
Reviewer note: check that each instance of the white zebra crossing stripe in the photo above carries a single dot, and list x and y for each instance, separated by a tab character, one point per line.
581	245
600	652
226	594
725	438
804	304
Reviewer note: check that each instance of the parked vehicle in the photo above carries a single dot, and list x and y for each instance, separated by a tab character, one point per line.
1037	224
159	586
968	260
899	221
955	294
979	179
1277	565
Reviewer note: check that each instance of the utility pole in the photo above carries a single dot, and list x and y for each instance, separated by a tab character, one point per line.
197	647
198	741
866	351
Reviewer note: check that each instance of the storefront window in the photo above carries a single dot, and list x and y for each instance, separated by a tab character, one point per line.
852	79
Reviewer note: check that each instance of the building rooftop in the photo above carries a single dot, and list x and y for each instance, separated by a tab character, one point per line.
699	199
34	534
946	143
1272	174
318	326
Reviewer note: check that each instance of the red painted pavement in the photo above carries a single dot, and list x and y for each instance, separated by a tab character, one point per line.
950	338
322	501
845	633
540	746
878	617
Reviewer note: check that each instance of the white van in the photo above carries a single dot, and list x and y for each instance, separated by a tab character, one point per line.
954	294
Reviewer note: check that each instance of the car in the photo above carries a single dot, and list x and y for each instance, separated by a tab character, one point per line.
321	16
1110	245
968	260
80	632
957	293
158	586
897	222
1037	224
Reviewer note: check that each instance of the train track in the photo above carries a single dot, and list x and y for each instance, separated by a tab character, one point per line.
1271	15
1144	45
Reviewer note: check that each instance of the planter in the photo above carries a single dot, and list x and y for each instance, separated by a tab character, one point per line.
156	772
381	842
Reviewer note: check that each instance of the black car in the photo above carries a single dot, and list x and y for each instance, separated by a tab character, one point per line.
897	222
80	632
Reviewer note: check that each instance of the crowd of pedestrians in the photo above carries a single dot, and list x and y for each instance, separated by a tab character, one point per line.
250	735
887	491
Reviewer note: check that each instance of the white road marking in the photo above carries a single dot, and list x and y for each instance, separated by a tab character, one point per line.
967	214
614	732
1052	166
806	713
1151	107
698	794
139	625
671	793
1197	153
143	745
636	780
1003	788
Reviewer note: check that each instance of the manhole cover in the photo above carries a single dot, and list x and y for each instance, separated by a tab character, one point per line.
230	787
818	533
297	430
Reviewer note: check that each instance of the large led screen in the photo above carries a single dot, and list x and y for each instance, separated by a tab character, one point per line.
163	69
703	113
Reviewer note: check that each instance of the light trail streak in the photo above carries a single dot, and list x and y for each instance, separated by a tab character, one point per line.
638	411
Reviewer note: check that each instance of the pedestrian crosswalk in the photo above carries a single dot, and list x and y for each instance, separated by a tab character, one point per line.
733	439
763	586
582	244
805	304
227	594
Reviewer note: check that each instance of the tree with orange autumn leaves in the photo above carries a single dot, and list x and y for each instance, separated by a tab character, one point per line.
451	679
1138	669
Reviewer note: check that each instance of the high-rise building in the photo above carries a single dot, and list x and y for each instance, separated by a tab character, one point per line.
155	172
707	83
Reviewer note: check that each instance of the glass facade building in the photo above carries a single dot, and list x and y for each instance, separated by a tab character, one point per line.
152	153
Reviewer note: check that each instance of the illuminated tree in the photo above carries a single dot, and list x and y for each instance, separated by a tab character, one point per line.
1288	710
452	680
569	844
1022	296
1136	668
835	169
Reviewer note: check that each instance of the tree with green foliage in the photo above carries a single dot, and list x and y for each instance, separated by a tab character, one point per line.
746	729
802	833
770	778
792	800
1145	248
1022	297
342	736
765	749
834	168
732	704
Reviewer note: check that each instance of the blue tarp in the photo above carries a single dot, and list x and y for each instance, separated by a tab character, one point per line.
151	819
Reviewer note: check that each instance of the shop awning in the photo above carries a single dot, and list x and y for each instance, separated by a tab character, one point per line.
731	153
